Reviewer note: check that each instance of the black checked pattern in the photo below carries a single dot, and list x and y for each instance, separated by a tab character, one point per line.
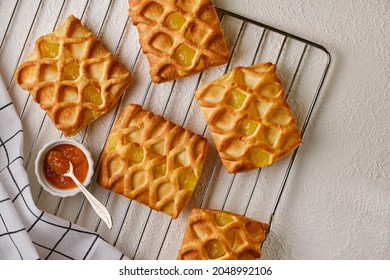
25	231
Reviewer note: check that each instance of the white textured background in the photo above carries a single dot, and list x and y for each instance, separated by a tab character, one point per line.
336	204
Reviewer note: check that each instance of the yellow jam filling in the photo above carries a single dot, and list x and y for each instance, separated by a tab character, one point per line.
234	238
200	65
175	21
93	95
247	128
184	55
90	114
71	72
214	249
188	180
236	98
223	219
159	170
260	157
49	50
112	142
135	155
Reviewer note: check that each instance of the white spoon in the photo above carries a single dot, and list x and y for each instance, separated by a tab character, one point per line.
99	208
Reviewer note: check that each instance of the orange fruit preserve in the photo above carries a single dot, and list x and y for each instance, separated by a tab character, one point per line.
56	163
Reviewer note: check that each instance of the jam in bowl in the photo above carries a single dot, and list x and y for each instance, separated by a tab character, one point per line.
53	161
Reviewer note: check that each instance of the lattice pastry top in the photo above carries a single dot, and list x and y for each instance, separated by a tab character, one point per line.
248	116
221	235
72	76
153	161
179	38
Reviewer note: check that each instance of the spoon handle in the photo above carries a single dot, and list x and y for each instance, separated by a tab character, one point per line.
99	208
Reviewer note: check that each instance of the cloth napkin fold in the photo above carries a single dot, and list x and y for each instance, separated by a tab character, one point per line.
25	231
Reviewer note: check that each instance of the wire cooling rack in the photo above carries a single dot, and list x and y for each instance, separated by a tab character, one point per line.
139	232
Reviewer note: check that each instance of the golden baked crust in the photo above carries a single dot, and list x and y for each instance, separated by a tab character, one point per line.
151	160
179	38
221	235
248	116
72	76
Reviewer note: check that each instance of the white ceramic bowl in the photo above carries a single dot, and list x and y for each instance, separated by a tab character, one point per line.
42	178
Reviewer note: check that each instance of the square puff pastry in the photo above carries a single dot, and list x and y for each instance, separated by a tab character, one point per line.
153	161
72	76
180	38
248	117
221	235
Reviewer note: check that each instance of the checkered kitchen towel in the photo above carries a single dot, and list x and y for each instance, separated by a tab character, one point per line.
25	231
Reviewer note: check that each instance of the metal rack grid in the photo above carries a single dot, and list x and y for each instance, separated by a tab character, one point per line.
142	233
